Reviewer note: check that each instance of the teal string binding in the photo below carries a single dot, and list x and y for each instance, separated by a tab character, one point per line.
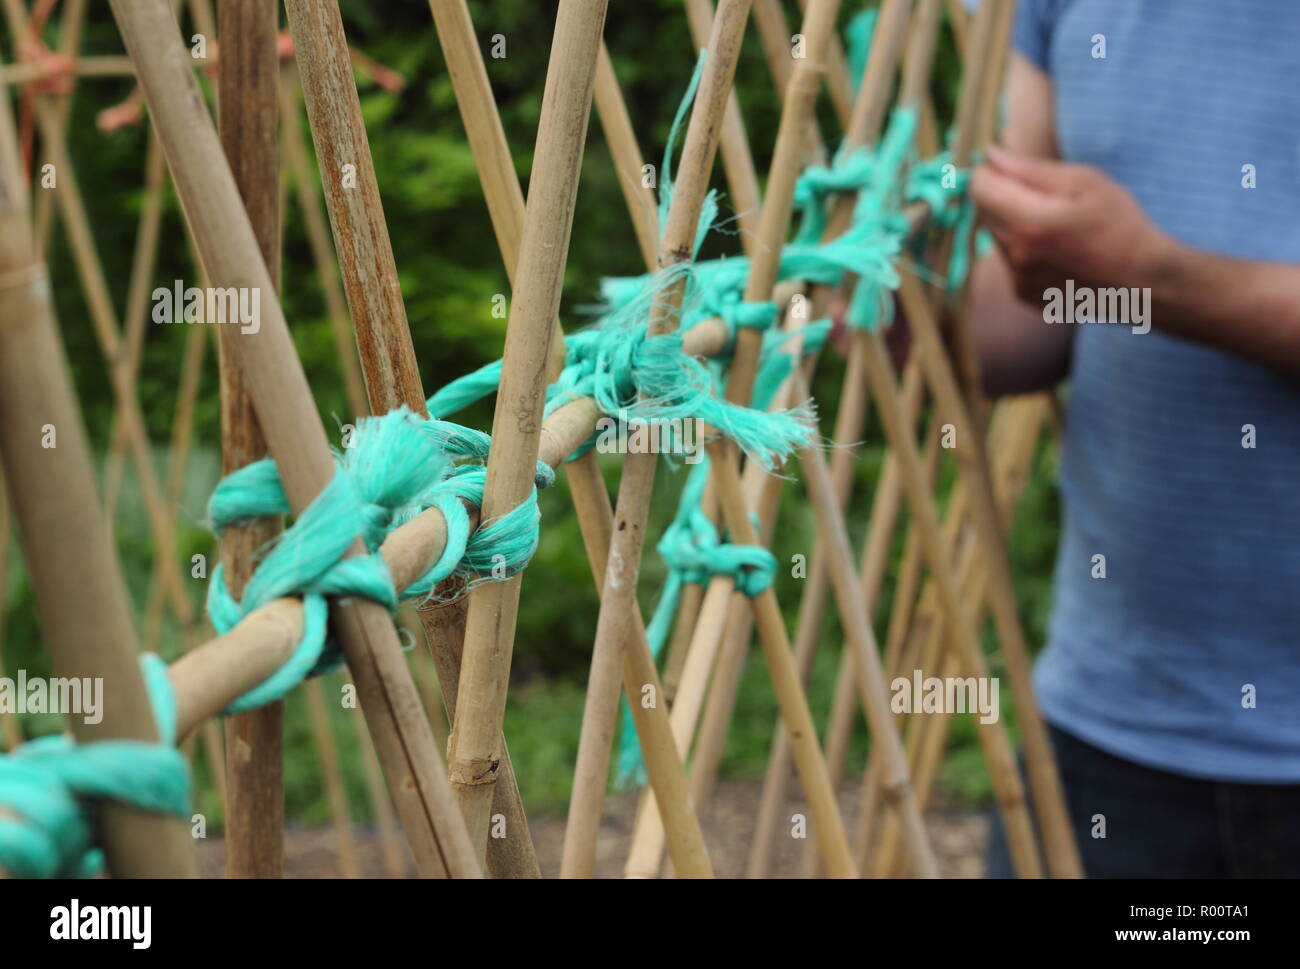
52	784
857	44
397	466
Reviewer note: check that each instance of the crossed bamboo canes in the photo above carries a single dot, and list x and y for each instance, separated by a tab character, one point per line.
864	126
283	404
974	471
729	624
263	813
506	207
80	594
729	483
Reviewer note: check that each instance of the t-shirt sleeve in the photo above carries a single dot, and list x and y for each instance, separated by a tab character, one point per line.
1032	35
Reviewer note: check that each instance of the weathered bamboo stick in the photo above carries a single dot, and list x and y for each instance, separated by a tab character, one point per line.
365	252
476	734
248	121
318	237
65	542
295	436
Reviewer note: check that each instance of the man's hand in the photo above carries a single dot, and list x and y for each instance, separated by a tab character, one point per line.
1055	221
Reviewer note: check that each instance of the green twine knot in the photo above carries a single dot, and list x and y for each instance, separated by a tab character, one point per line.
397	466
51	785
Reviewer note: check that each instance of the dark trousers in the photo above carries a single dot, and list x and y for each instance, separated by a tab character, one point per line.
1161	825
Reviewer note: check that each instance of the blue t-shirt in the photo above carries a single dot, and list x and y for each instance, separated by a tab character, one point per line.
1186	656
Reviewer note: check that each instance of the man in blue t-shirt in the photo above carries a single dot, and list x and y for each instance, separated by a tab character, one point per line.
1153	146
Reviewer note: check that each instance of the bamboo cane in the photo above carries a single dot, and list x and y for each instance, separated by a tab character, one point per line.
143	263
774	33
64	540
284	407
11	731
107	334
107	330
370	280
804	84
248	121
89	66
884	511
476	734
763	493
913	94
187	391
318	237
997	747
818	25
839	85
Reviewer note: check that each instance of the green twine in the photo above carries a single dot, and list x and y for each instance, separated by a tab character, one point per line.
396	467
51	785
857	44
649	379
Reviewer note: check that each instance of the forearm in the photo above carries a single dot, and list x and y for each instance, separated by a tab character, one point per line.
1018	352
1249	309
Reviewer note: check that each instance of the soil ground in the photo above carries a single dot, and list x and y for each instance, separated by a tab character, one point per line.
958	834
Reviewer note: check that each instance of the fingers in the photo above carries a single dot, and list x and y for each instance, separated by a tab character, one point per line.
1044	174
1007	201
